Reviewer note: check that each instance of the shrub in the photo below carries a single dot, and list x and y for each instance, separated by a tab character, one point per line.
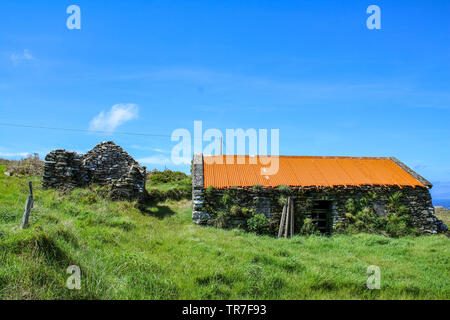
360	217
398	221
351	207
30	166
221	220
209	191
286	190
398	226
171	194
309	228
257	187
235	211
166	176
367	201
5	161
247	212
258	224
363	221
282	200
227	201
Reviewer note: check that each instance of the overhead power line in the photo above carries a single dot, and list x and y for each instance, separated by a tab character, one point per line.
15	125
84	130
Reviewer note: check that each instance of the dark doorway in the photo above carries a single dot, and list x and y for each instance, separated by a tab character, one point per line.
321	215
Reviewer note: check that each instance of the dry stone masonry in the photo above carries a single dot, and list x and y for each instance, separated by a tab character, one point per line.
107	164
325	205
265	200
63	170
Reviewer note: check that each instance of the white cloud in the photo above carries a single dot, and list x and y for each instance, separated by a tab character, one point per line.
118	115
156	160
160	150
144	148
17	58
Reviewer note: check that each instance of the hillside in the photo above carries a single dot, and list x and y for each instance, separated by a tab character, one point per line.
444	215
159	253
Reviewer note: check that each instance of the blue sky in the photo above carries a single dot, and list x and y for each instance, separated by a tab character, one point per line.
309	68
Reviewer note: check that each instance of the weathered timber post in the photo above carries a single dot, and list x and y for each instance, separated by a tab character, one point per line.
283	216
288	216
292	217
28	206
287	219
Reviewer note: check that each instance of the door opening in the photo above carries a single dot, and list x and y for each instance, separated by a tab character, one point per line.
321	215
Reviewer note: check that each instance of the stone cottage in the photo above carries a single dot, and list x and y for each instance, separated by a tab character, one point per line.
320	187
106	164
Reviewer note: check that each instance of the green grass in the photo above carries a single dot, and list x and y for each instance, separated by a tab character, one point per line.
177	183
444	215
161	254
168	179
186	183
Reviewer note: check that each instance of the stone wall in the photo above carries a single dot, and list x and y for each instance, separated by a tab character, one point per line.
199	216
107	164
266	200
63	170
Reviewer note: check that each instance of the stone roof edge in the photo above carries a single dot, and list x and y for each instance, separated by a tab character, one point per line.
417	176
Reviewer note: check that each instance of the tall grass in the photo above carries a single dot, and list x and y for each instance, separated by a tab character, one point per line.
125	254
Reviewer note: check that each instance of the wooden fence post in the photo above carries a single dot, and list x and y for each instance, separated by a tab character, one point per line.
28	206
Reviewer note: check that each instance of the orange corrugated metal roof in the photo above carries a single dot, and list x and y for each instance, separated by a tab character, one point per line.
306	171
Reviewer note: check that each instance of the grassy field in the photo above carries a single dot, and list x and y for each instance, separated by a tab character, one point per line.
444	215
160	254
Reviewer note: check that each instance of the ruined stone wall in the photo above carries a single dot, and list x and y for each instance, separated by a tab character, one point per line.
63	169
266	200
199	215
107	164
